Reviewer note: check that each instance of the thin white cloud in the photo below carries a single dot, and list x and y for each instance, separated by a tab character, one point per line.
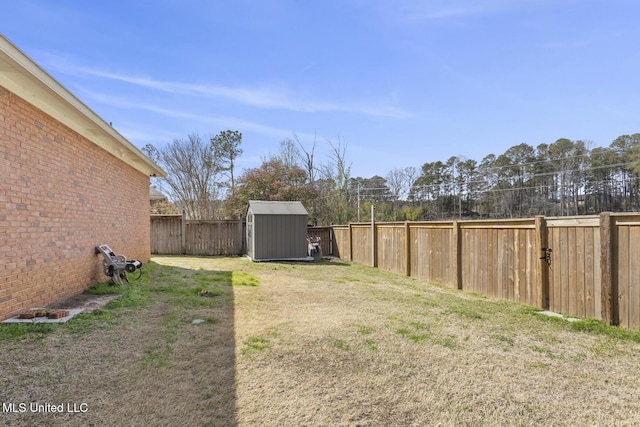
210	120
267	96
409	12
566	44
435	13
308	67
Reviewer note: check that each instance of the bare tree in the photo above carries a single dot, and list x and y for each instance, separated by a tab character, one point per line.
288	154
337	174
400	181
307	158
192	169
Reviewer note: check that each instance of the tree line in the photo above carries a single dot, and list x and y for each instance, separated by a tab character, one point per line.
562	178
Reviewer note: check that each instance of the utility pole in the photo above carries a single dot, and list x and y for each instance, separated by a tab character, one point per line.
358	202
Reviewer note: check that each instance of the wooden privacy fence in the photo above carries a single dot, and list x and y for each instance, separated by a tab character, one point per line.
592	269
173	235
325	234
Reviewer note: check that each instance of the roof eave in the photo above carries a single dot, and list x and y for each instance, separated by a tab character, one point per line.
23	77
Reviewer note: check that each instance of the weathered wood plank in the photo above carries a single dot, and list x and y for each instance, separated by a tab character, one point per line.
609	313
623	275
580	273
634	278
556	270
597	275
495	263
484	252
572	276
573	222
589	281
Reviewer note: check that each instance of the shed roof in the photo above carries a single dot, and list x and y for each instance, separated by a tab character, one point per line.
261	207
22	76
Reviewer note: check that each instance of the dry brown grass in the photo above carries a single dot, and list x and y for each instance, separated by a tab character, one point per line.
320	345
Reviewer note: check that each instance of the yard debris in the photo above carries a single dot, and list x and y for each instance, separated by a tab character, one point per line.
558	315
58	314
52	316
81	303
42	312
31	313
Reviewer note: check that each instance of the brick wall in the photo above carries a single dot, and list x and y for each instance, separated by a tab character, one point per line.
60	196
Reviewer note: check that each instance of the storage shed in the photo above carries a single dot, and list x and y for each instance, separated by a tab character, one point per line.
276	231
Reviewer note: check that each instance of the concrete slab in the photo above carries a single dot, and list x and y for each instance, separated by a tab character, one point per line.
17	319
558	315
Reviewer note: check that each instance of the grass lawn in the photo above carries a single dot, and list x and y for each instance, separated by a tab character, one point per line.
324	344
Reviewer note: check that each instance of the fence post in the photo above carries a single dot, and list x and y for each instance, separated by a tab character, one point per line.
608	278
542	273
350	242
373	237
457	255
407	249
240	244
331	237
183	233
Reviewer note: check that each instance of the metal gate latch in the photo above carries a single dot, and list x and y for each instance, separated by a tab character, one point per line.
547	255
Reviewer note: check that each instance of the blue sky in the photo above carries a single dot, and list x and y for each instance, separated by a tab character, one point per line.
401	82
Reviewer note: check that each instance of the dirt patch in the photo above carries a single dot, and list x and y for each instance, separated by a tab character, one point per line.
85	302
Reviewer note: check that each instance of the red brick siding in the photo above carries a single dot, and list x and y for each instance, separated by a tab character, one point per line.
60	196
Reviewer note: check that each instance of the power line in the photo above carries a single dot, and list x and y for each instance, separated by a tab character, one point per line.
535	175
531	163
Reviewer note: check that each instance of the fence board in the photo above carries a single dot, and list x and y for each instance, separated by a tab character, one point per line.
166	234
341	245
634	279
492	251
553	273
213	238
485	257
572	271
580	274
575	278
623	273
222	237
468	268
597	274
361	250
520	267
531	293
391	247
431	252
436	257
589	274
508	266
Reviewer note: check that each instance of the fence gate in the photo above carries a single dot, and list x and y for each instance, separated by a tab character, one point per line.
574	274
166	234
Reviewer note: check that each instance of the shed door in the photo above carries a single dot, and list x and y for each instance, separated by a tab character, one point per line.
250	235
